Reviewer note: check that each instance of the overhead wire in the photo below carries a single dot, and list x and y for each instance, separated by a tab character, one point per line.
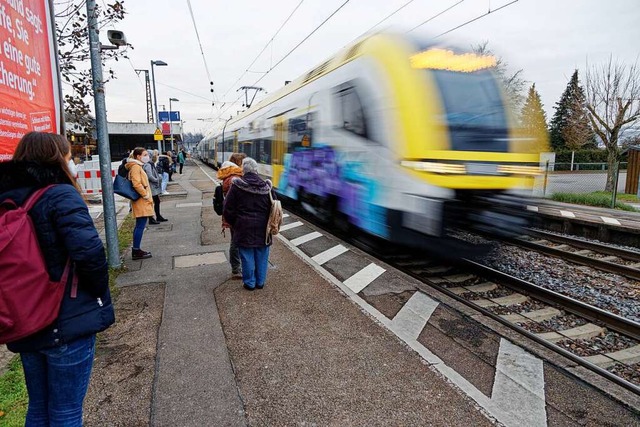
204	59
387	17
270	42
476	18
435	16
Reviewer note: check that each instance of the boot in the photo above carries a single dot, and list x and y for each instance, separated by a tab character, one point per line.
162	219
139	254
153	221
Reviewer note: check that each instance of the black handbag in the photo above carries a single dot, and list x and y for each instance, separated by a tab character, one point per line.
123	187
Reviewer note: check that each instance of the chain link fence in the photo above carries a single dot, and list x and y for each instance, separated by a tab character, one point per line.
572	182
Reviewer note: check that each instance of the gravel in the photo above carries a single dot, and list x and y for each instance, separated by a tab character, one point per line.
601	344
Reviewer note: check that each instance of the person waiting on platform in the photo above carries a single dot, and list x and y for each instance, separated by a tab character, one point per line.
155	180
142	207
246	208
182	156
57	360
229	170
163	167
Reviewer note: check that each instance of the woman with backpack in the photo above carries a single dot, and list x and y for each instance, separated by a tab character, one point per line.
229	170
57	360
142	207
246	208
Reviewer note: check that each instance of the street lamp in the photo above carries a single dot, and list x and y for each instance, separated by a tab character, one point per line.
155	98
171	121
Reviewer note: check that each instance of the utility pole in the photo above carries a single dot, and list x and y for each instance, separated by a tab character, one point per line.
147	85
108	202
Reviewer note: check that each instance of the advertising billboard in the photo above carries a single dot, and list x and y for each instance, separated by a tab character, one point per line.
29	79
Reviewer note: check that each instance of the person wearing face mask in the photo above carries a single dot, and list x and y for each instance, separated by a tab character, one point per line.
143	207
156	186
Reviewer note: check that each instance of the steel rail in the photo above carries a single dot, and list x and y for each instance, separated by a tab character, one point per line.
627	254
610	267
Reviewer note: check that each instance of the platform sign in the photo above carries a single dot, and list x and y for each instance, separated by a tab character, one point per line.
29	83
157	135
164	116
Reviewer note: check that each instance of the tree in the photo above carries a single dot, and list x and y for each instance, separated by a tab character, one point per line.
512	82
74	56
570	126
613	102
534	120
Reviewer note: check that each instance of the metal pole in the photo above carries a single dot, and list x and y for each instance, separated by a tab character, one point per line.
108	202
155	105
546	179
170	126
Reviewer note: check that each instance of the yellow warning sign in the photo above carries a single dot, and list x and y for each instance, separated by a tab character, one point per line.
157	135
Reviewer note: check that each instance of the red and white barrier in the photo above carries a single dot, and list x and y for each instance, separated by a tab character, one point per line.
89	176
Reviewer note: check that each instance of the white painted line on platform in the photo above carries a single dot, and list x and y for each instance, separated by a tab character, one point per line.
518	388
306	238
285	215
290	226
364	277
502	414
189	205
567	214
611	221
532	208
205	172
329	254
414	315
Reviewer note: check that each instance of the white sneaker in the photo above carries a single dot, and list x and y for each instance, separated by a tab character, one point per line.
165	193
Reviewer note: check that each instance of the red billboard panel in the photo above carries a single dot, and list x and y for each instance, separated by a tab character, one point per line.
29	86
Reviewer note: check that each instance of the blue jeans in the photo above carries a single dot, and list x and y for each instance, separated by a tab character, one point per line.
138	231
255	262
165	181
57	381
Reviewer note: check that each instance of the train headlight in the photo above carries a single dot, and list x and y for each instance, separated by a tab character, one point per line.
434	167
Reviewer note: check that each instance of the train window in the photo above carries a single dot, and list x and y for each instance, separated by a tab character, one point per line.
351	112
264	151
301	131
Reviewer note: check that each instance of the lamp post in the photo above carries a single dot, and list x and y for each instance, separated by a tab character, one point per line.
171	121
155	98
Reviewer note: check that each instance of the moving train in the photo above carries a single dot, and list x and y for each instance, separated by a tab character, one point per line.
402	140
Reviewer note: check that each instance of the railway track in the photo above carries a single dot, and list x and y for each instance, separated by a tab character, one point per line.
597	255
560	323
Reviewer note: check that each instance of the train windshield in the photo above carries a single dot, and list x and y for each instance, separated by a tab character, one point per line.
474	110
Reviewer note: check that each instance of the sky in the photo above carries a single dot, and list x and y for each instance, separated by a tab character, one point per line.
547	39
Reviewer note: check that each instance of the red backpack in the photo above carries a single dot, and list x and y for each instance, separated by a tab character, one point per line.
29	300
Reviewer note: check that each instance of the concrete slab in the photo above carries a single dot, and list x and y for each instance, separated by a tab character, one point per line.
512	299
587	331
209	258
628	355
189	205
542	314
482	287
345	265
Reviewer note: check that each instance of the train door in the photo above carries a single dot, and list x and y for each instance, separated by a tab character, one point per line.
278	148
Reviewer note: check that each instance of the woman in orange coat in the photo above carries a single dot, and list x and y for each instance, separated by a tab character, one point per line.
143	207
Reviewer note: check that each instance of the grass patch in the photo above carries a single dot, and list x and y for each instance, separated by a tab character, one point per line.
125	237
599	199
623	197
13	395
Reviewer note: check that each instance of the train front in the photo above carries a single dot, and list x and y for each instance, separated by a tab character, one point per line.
464	140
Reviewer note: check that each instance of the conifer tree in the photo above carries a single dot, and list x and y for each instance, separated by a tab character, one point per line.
570	127
534	120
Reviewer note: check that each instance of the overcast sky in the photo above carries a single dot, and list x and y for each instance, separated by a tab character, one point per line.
548	39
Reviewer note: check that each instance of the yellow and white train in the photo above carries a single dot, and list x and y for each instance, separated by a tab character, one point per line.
398	139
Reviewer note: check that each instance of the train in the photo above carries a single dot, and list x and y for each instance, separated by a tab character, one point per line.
403	139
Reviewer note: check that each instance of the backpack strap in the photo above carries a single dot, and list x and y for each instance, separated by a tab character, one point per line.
33	199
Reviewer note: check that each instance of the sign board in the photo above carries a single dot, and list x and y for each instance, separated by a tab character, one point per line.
164	116
29	83
157	135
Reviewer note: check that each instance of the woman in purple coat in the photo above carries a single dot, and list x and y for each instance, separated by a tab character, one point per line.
246	209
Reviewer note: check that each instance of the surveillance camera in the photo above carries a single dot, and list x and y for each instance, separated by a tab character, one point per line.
116	37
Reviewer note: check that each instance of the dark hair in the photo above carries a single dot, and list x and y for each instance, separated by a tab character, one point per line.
237	158
45	148
137	152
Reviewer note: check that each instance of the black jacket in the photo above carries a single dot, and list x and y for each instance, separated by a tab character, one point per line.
64	229
246	208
